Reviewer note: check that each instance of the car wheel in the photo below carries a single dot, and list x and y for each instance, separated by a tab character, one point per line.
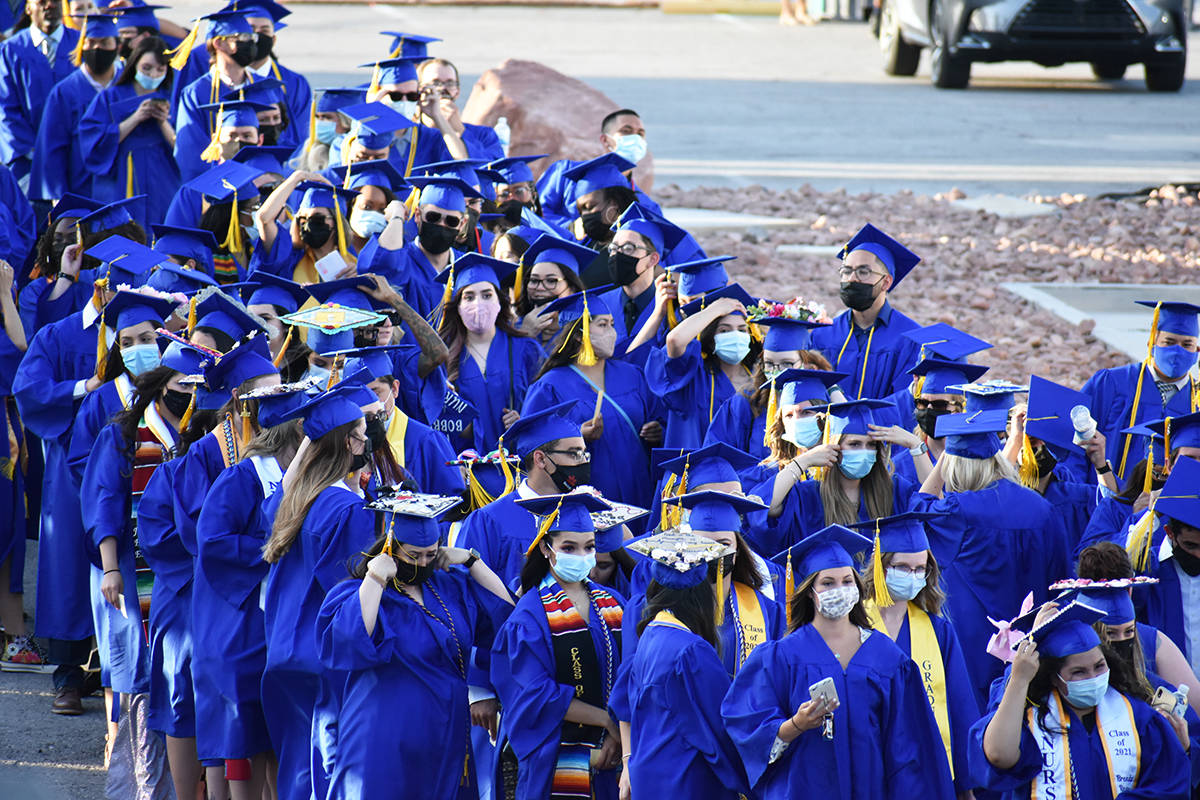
1109	70
1166	75
947	70
899	57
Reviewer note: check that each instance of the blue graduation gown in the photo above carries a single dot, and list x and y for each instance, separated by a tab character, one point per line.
671	692
882	730
227	618
501	531
993	547
197	471
425	454
26	78
298	97
534	703
1164	772
736	425
19	225
107	157
61	354
482	142
691	392
12	473
1161	605
36	308
1073	505
890	357
1111	392
1109	522
193	127
420	398
411	666
58	165
512	361
409	271
620	460
557	194
95	412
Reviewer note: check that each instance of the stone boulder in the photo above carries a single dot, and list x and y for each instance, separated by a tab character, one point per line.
547	112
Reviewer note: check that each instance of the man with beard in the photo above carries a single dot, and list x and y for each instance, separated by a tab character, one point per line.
438	79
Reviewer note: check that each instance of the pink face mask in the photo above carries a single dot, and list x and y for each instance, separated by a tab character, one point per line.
479	315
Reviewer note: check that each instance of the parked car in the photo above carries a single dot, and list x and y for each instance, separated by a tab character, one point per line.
1109	34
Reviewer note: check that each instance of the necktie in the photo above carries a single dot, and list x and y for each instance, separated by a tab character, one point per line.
1167	390
48	48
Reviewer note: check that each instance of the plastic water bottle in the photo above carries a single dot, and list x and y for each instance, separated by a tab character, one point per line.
1181	701
1085	426
503	133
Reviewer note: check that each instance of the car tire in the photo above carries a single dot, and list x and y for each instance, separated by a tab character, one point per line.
947	70
1109	70
1166	75
899	57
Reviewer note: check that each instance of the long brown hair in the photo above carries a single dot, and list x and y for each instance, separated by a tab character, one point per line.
156	46
708	351
1122	677
454	333
324	463
875	490
693	606
930	599
525	304
148	387
804	608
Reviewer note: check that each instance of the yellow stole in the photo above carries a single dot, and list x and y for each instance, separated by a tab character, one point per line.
670	620
924	650
124	386
395	435
306	269
751	627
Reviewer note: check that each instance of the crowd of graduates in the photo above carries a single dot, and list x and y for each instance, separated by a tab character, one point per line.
360	463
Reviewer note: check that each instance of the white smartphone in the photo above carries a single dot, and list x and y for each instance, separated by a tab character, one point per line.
824	689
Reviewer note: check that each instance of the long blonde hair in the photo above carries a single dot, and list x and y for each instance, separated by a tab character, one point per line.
876	490
963	474
324	463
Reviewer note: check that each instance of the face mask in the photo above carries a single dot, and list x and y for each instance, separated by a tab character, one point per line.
631	147
567	478
604	341
572	568
1045	462
857	463
1186	561
726	567
732	346
177	402
511	209
99	61
405	108
802	431
1087	692
250	235
270	134
326	130
1126	649
149	82
262	46
837	603
416	573
903	585
927	420
320	373
140	358
622	268
125	48
596	228
377	433
857	296
315	233
367	223
1174	361
243	54
436	239
480	315
358	461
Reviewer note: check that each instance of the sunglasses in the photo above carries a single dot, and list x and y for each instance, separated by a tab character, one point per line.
940	405
438	218
412	97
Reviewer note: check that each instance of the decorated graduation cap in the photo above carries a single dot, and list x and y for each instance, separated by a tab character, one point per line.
216	310
514	169
785	333
168	277
112	215
937	375
379	173
701	276
716	511
444	192
563	512
390	71
1069	631
898	533
972	435
993	395
276	403
73	206
534	430
180	242
733	290
331	325
1180	495
853	417
828	548
412	518
679	559
1115	601
895	257
182	357
327	411
268	289
93	26
713	463
599	173
267	158
945	341
409	45
377	123
129	308
247	361
350	292
580	308
474	268
123	261
1180	318
337	98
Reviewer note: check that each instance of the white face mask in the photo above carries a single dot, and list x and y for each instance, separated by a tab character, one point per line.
631	147
367	223
837	603
405	108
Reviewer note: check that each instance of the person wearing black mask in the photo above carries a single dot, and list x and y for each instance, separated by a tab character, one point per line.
633	265
318	229
297	96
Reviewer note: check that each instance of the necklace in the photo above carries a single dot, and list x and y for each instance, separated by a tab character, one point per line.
447	623
608	656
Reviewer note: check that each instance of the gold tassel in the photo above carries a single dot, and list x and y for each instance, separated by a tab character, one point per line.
1137	394
374	87
772	410
510	480
1027	469
233	237
448	292
789	584
191	323
247	427
413	203
883	597
719	617
520	277
1140	539
387	542
1166	446
67	19
102	334
477	495
77	53
756	333
312	127
544	528
129	175
179	55
587	355
283	350
341	229
918	387
668	510
333	372
398	49
672	314
212	153
187	414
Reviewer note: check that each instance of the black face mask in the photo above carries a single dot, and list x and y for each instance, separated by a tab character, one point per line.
262	46
436	238
414	574
927	420
467	236
1045	462
857	296
54	257
1126	649
99	61
177	402
511	209
568	478
358	461
243	53
622	268
377	433
595	227
270	134
315	232
1186	561
726	568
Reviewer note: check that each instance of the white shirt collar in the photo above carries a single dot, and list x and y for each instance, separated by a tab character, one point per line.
37	37
263	72
99	87
90	313
524	491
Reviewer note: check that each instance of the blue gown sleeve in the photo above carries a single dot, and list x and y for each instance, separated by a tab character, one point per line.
47	405
910	727
17	131
230	533
694	693
986	775
330	566
343	641
100	136
49	178
676	380
21	228
106	493
89	421
754	708
541	395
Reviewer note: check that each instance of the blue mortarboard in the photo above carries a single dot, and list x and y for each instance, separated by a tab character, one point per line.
972	435
391	71
350	292
733	290
338	98
226	182
572	306
236	113
828	548
73	206
939	375
599	173
657	229
988	395
447	193
1180	495
182	358
899	533
324	343
784	333
713	463
679	559
379	172
466	170
249	360
180	242
112	215
1184	430
703	276
944	341
362	393
409	45
221	312
534	430
327	411
410	518
276	403
267	288
377	123
659	456
1156	447
268	91
376	361
1049	415
226	23
266	158
574	510
168	277
321	195
475	268
127	309
97	26
259	9
139	15
896	258
853	416
123	261
1114	601
1177	318
550	248
1069	631
798	385
713	511
514	169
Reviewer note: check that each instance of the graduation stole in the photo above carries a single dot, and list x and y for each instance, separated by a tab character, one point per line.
124	386
1115	725
155	444
609	398
749	625
227	441
397	428
866	355
927	654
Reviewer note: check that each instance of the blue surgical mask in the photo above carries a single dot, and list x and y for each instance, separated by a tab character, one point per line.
335	150
1174	361
140	358
320	373
147	82
631	147
573	568
731	346
326	130
405	108
903	585
857	463
1087	693
802	431
367	223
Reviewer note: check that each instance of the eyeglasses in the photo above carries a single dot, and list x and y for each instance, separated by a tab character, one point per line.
863	273
627	249
579	455
779	366
550	284
412	97
939	405
438	218
442	84
518	192
355	437
241	37
916	572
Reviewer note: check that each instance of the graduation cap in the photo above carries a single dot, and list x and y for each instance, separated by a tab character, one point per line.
854	416
895	257
73	206
350	292
514	169
1180	495
391	71
220	23
1049	416
548	248
563	512
123	261
409	45
92	26
276	402
128	308
248	360
733	290
183	358
489	477
828	548
216	310
112	215
993	395
582	307
268	91
465	169
376	362
184	243
1183	431
266	158
599	173
701	276
534	430
784	333
447	193
259	9
227	182
377	123
338	98
472	268
318	194
679	559
235	113
1068	632
1174	317
944	341
1114	601
713	463
937	375
331	325
268	289
898	533
798	385
972	435
168	277
327	411
714	511
379	172
138	15
412	518
654	227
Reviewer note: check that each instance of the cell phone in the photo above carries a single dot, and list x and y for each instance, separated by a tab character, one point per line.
824	690
1163	700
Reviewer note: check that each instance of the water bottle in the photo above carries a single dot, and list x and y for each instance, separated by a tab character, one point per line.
503	133
1181	701
1085	426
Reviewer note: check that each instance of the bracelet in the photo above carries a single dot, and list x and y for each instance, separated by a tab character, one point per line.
627	757
111	570
794	725
919	450
1107	468
69	277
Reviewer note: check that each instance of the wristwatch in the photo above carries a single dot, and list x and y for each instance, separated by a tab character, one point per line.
1107	468
471	559
919	450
